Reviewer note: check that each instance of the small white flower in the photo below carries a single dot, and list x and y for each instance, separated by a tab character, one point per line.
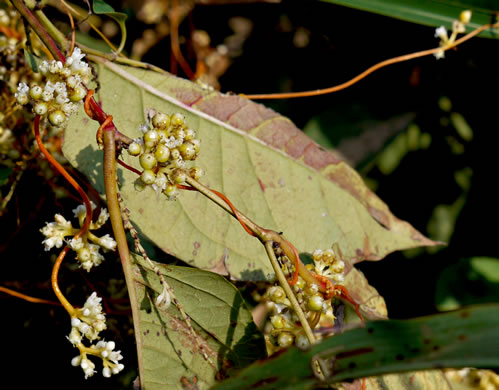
117	368
55	67
43	67
88	367
81	210
76	361
74	336
441	32
75	322
76	244
103	217
439	54
22	88
106	372
164	299
107	242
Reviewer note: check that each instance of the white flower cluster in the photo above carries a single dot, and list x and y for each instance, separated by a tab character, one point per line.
164	149
87	246
458	27
88	322
60	91
56	231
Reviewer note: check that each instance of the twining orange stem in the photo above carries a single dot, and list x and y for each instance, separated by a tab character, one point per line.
372	69
234	210
28	298
86	104
330	290
86	223
67	176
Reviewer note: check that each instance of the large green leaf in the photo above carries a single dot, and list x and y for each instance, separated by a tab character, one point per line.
469	337
430	12
219	316
271	171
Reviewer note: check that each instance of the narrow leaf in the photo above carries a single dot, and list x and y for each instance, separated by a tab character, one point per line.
224	328
31	60
464	338
100	7
430	12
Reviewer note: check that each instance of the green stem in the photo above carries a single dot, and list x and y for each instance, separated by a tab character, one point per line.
52	30
93	55
111	189
39	29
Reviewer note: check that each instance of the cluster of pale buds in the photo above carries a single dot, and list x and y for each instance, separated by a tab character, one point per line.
285	327
458	27
60	91
88	245
167	144
88	322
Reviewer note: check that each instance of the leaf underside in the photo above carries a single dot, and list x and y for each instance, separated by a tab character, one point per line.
221	320
269	169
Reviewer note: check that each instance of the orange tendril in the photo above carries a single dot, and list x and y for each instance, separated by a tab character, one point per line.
86	104
371	69
330	290
101	128
234	210
86	223
27	297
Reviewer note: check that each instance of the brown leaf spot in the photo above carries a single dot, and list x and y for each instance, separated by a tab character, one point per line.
187	96
318	158
141	211
464	314
188	340
297	145
221	107
462	337
197	245
380	216
262	186
251	115
220	267
277	133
